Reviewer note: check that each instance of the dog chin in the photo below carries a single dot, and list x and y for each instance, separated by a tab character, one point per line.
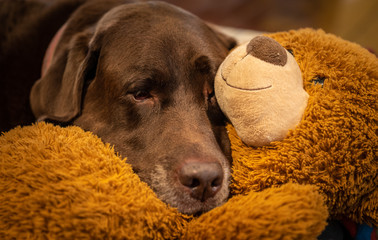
168	193
195	207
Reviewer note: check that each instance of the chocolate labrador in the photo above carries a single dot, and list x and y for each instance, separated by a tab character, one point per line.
140	76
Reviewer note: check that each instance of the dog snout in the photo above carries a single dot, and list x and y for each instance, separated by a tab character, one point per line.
201	179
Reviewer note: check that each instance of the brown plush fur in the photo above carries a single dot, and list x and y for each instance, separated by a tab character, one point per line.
64	183
335	145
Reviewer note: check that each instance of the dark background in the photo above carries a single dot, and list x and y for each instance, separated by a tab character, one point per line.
353	20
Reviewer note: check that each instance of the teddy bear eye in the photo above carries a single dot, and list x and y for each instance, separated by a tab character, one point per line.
319	80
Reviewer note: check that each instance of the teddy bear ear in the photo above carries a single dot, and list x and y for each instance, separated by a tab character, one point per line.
268	50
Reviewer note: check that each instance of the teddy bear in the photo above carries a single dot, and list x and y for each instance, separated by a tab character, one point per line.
303	108
65	183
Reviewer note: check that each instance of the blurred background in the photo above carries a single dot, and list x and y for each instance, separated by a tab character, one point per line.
353	20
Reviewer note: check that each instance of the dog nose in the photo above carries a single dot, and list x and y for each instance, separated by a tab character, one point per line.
202	179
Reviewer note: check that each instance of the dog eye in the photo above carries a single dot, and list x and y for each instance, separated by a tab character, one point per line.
210	95
141	95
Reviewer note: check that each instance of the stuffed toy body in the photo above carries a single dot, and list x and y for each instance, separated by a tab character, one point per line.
333	141
64	183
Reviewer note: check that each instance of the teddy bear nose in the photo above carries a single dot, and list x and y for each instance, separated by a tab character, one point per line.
268	50
202	179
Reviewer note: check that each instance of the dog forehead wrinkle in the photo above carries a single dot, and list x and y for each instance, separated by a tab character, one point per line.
117	54
159	43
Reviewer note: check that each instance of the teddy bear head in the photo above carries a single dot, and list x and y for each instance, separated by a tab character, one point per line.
259	87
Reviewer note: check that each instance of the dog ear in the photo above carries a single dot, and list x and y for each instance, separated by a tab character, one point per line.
58	94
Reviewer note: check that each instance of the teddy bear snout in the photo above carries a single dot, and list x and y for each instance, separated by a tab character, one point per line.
268	50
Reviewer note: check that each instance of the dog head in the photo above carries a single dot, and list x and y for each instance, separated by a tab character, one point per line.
141	77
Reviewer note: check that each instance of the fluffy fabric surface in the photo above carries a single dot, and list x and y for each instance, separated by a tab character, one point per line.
58	183
292	211
335	145
64	183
